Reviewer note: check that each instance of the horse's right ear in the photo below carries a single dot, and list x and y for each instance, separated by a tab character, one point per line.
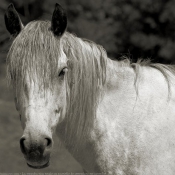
12	21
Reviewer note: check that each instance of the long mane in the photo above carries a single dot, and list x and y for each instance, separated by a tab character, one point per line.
86	79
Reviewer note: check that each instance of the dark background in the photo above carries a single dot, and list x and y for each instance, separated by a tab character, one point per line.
136	29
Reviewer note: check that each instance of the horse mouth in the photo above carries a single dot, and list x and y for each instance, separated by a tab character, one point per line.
40	166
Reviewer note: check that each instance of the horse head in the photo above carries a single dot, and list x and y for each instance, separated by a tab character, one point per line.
40	107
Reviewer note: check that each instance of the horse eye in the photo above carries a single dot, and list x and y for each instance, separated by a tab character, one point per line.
63	71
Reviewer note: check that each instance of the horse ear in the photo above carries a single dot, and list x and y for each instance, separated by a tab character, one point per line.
59	20
12	21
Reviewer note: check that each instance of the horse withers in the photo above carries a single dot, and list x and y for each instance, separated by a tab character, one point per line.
114	117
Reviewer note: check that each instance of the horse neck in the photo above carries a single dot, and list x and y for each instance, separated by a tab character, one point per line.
119	74
115	113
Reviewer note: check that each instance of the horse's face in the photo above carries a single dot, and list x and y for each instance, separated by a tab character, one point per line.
40	112
40	108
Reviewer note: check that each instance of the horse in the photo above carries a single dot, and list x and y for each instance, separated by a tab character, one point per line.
115	117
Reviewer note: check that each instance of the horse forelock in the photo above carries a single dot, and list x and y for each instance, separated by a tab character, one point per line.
36	52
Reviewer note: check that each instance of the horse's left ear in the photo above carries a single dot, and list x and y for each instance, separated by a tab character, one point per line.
12	21
59	20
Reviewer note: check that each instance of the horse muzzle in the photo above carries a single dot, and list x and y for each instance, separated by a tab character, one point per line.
36	152
37	160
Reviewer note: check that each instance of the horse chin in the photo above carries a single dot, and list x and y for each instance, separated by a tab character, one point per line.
38	163
38	166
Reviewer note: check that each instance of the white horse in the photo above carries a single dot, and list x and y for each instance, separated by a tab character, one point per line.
114	117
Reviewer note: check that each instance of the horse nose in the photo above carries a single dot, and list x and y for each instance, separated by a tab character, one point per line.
40	145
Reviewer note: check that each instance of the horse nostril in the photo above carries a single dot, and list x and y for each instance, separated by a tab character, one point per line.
22	146
48	142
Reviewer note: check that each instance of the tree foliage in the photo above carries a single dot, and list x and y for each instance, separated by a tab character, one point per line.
147	29
136	28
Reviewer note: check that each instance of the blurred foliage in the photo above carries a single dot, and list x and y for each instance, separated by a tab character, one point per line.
135	28
147	29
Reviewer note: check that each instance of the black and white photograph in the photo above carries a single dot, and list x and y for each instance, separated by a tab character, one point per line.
87	87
